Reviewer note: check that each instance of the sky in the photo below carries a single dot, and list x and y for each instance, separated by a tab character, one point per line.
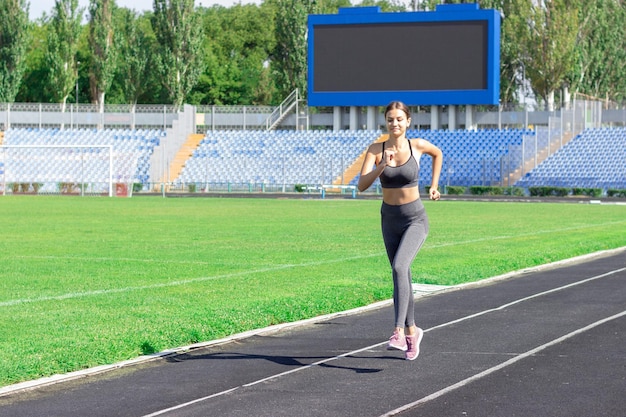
38	7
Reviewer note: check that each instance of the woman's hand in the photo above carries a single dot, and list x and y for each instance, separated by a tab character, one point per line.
434	194
388	158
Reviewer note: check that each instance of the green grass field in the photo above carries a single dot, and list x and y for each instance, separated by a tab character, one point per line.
92	281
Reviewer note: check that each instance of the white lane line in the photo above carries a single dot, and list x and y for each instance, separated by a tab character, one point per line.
259	381
521	300
496	368
309	366
175	283
187	404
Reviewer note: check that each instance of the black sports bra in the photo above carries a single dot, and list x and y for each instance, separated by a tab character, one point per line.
403	176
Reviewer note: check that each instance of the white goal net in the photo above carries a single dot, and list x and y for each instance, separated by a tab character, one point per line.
56	169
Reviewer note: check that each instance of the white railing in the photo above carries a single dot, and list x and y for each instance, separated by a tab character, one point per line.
280	112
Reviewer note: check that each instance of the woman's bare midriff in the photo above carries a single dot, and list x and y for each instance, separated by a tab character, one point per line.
399	196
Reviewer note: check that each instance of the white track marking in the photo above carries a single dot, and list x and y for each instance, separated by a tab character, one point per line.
187	404
534	233
234	274
445	390
521	300
259	381
173	283
103	259
503	365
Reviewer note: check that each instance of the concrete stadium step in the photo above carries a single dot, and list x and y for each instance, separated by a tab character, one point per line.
183	155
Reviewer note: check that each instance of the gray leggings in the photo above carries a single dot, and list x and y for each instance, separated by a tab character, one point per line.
405	228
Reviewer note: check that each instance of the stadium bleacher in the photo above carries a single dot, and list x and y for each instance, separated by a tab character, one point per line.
471	157
596	158
275	157
318	157
131	150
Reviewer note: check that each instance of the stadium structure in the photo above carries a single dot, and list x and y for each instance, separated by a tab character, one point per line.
318	144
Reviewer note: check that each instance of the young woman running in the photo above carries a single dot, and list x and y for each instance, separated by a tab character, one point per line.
403	218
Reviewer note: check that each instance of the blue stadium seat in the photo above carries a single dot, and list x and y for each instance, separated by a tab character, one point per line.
131	154
313	157
594	159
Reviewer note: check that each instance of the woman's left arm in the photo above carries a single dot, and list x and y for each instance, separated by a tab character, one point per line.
435	153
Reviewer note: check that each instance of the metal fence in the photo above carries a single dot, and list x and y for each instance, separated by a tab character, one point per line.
581	114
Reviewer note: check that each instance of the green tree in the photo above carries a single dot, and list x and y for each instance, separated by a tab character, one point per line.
33	87
83	65
601	59
134	55
152	89
330	6
549	44
387	5
179	36
289	58
60	56
103	51
13	40
429	5
237	45
513	58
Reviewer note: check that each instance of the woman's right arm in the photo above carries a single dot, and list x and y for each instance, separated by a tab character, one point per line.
369	175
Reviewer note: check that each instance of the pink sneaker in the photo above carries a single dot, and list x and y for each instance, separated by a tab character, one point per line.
413	345
397	342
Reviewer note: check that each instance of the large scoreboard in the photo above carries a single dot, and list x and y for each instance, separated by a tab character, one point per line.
363	57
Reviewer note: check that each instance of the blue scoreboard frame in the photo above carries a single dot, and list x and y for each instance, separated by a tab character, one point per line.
362	57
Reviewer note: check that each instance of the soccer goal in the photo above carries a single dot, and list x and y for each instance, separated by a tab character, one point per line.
56	169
